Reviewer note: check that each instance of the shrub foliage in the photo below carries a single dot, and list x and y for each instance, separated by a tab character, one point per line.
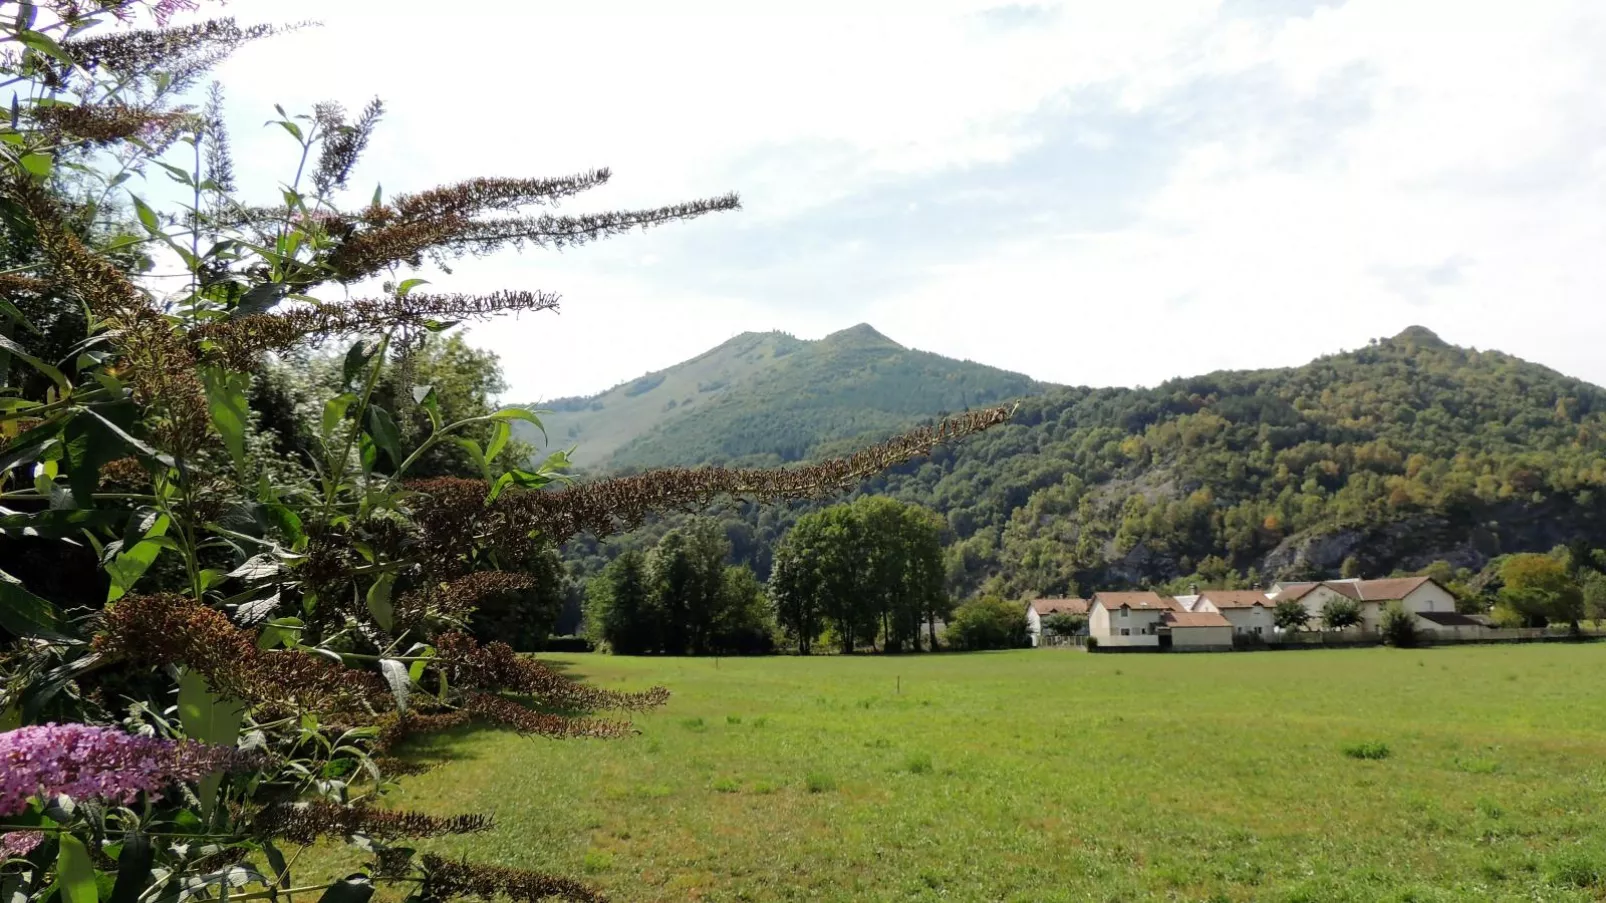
248	637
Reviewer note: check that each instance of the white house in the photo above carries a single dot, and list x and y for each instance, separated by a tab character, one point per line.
1418	594
1038	611
1128	619
1248	610
1198	630
1314	596
1423	596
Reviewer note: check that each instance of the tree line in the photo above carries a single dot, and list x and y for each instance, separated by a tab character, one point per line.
863	575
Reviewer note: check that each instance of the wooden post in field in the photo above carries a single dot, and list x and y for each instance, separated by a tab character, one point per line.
900	684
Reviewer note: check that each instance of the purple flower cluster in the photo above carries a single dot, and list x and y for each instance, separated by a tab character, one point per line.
85	761
17	844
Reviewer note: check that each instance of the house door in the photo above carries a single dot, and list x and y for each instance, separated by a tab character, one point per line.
1165	640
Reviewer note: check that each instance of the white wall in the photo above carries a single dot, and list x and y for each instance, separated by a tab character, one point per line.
1316	600
1134	640
1105	623
1429	597
1244	620
1201	637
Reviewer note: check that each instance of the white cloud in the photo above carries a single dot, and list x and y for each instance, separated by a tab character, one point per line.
1322	179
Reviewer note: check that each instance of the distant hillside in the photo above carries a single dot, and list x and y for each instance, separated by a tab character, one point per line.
769	397
1393	456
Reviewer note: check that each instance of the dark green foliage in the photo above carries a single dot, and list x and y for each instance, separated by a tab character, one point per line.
1290	615
1375	749
1064	624
1411	450
524	618
681	599
1398	626
1340	614
872	569
987	623
620	608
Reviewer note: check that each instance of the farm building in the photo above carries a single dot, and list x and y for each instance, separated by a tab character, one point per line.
1420	595
1198	630
1128	619
1038	610
1247	610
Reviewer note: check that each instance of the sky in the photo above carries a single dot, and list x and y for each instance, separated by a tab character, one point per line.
1091	193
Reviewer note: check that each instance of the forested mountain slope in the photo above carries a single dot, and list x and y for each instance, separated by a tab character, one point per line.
768	397
1396	455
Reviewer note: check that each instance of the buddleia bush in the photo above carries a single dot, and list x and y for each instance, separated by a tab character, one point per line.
219	662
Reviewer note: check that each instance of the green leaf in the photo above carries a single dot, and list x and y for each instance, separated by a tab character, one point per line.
60	523
38	40
281	869
75	872
524	414
383	428
54	375
36	444
425	396
147	216
476	454
260	299
357	357
415	671
132	563
24	614
379	601
334	411
286	521
408	285
89	444
38	164
131	442
368	452
133	868
500	433
209	719
225	400
284	632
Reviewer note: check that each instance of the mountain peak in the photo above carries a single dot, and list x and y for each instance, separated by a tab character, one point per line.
862	333
1419	335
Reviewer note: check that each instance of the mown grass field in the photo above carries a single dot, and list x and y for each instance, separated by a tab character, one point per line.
1050	775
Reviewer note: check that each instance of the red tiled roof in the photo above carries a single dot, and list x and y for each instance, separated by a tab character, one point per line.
1196	619
1137	601
1389	589
1294	591
1236	598
1058	606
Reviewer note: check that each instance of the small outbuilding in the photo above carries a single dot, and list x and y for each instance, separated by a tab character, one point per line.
1198	629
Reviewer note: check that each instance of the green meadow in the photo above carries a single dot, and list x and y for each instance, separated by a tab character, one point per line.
1473	773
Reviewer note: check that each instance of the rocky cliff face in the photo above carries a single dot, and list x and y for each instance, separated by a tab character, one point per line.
1414	543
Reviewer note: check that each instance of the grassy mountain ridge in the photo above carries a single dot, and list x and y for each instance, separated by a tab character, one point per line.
769	397
1398	454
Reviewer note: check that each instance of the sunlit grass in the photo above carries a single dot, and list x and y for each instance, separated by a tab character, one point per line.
1054	775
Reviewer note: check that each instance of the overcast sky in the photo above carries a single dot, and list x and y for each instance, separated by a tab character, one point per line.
1105	193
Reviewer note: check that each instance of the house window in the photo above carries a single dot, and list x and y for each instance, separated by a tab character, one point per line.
1125	612
1126	631
1257	631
